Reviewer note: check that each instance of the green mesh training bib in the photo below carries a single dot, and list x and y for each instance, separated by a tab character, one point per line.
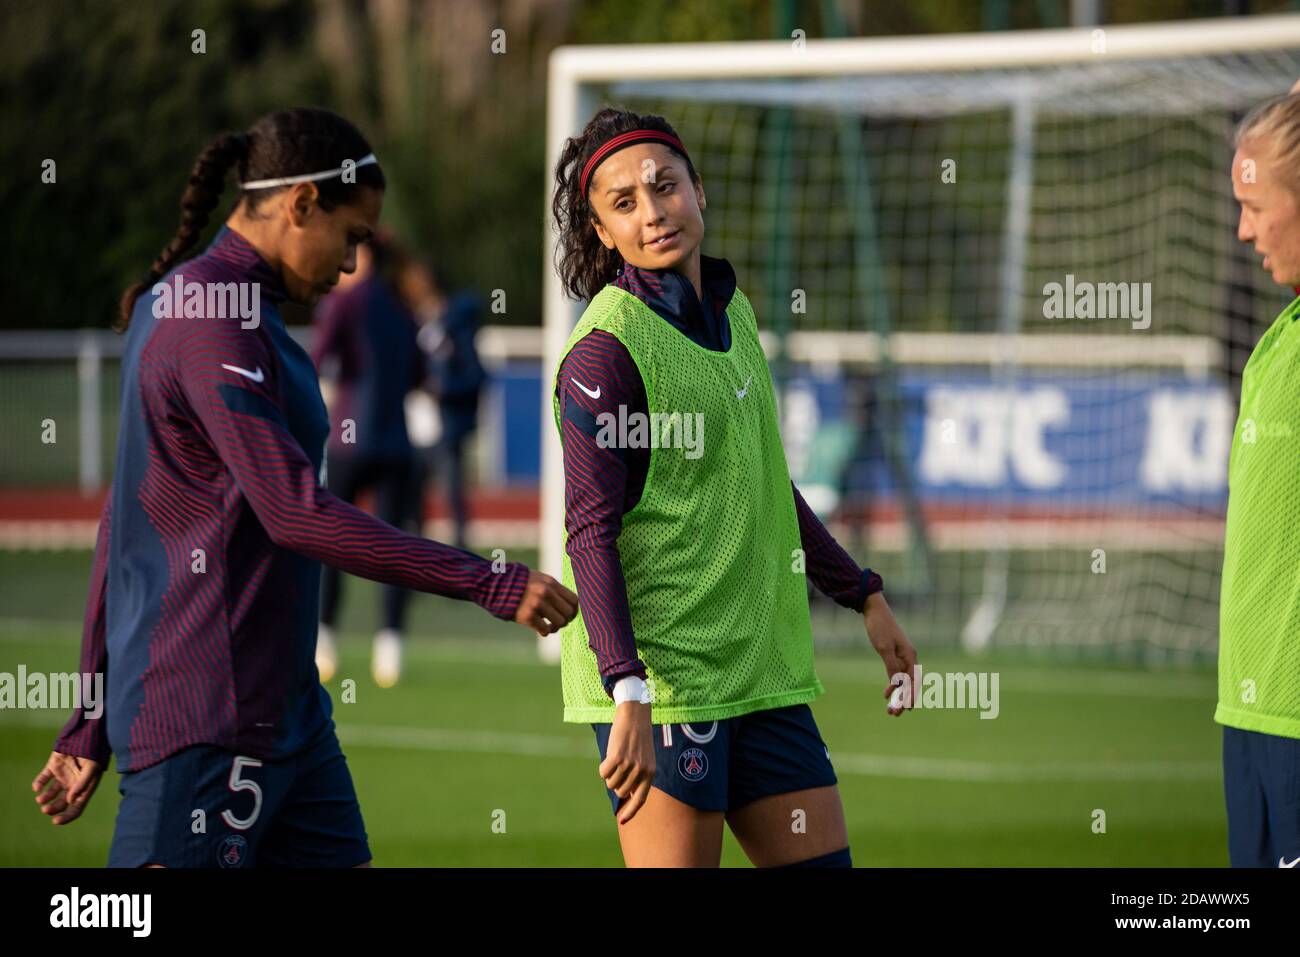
715	580
1259	607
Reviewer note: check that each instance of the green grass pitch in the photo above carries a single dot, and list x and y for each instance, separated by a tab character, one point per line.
474	729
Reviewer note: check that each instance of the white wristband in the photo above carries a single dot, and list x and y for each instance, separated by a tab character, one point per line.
630	688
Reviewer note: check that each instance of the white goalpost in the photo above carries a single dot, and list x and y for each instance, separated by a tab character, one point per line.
1013	375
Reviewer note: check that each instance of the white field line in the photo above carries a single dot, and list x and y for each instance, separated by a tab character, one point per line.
862	765
518	744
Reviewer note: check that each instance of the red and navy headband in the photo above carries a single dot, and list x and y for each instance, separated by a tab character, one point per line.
627	139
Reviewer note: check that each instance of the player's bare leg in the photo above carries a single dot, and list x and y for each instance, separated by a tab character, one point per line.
768	830
669	833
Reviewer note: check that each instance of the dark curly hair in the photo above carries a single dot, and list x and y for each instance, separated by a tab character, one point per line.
285	143
584	264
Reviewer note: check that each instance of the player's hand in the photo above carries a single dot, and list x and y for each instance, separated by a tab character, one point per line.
629	765
895	651
64	786
547	606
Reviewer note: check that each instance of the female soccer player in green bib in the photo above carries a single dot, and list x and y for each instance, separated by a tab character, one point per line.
1259	608
687	543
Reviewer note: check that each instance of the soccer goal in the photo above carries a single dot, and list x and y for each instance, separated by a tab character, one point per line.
1003	299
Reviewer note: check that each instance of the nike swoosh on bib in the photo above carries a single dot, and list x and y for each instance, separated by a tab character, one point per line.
594	395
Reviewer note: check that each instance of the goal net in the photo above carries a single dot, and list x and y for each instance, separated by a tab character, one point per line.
1003	299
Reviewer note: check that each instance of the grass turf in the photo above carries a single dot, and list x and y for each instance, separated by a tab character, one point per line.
474	728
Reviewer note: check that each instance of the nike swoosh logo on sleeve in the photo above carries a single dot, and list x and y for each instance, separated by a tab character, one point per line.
257	376
594	395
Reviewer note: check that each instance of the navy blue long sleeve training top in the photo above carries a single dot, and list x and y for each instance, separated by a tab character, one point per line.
372	335
205	588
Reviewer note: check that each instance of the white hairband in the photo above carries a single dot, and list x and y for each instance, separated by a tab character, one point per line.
367	160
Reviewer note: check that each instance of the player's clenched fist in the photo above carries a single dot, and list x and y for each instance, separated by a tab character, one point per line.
547	606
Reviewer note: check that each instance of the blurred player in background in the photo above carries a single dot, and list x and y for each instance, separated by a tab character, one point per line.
455	379
689	561
1259	611
205	589
364	345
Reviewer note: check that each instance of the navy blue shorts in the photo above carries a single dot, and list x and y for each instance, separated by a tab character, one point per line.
1261	782
724	765
298	812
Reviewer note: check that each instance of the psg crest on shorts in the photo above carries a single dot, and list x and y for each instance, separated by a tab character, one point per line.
232	851
693	764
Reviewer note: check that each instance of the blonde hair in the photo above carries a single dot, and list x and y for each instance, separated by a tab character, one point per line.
1276	124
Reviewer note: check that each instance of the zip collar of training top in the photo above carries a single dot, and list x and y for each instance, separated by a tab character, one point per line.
234	250
672	297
